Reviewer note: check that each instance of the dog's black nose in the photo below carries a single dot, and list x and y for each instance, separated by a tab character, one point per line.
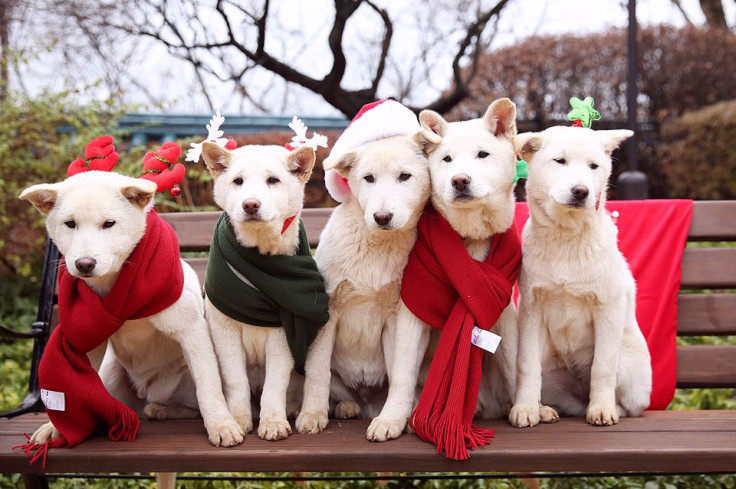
460	182
580	192
251	206
85	265
382	218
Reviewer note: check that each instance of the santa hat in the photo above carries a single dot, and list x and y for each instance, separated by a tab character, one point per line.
378	120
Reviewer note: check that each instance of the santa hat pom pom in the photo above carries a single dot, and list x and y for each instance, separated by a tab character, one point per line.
337	185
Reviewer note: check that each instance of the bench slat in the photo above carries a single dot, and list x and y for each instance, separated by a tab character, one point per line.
706	366
651	443
709	268
713	220
706	314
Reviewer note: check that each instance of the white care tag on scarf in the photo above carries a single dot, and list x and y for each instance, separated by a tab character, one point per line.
485	339
53	400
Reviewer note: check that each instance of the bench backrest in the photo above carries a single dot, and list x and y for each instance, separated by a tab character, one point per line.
706	305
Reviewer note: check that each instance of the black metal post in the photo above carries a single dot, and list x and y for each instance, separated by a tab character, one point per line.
632	184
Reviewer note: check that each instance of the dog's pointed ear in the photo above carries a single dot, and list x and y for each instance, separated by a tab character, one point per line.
301	162
611	139
432	121
500	117
342	163
528	143
139	192
426	140
215	157
42	196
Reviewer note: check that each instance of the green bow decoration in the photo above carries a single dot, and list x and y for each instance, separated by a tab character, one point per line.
583	111
521	169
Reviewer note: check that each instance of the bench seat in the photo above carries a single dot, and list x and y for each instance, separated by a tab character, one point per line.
660	441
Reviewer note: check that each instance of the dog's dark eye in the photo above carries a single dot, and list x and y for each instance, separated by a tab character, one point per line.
482	154
108	224
238	181
272	180
447	158
369	178
70	224
404	176
594	166
561	161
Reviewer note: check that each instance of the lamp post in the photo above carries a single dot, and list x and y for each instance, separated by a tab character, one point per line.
632	184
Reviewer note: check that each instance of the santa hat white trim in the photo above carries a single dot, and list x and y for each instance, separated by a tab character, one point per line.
376	121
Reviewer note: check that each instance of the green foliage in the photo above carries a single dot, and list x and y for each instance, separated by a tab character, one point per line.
697	153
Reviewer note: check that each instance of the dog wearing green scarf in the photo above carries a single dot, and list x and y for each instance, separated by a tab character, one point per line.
265	299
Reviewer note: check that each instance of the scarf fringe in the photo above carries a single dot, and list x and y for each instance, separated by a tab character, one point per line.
450	435
126	428
36	451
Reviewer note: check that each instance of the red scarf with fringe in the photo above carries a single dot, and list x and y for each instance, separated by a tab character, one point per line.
76	401
446	288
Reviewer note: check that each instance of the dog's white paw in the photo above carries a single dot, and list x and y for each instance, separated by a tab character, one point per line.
522	415
274	429
225	433
45	433
602	415
245	421
311	423
292	409
382	429
347	410
548	415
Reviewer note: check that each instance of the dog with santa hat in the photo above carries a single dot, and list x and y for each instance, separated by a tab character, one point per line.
378	172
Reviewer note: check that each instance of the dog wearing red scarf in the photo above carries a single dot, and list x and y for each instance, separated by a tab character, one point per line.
460	275
159	362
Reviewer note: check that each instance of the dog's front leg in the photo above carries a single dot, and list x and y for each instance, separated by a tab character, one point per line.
199	354
608	328
406	342
228	342
316	404
527	409
279	364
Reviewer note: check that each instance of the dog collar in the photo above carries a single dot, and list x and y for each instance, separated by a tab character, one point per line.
287	223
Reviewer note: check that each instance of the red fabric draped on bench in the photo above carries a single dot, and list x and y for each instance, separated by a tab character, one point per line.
652	236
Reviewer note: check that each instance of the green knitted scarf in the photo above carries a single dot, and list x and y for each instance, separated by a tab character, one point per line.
289	289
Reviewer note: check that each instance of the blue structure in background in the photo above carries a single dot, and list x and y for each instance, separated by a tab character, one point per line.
166	127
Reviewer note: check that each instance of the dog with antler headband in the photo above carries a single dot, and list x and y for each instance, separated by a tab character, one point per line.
123	289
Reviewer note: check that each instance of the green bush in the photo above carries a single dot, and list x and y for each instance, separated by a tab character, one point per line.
697	153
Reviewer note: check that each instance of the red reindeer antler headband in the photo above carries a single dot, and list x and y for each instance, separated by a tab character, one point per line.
99	155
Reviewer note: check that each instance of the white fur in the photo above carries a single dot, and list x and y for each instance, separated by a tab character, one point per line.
362	263
580	347
255	358
163	365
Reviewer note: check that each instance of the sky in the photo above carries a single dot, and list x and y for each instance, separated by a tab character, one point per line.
299	36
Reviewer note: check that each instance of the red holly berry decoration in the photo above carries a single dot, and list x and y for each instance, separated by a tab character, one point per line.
99	155
162	168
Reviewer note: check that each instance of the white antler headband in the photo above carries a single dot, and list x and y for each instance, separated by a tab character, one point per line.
214	135
300	139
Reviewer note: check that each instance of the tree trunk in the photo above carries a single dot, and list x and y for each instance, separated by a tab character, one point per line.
6	7
714	15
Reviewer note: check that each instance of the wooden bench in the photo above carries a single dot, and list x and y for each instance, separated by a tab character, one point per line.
658	442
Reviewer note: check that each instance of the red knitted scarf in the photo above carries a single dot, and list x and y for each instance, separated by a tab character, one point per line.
446	288
151	280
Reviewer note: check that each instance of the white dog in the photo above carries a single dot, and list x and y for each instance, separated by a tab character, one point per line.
259	188
362	253
165	363
473	174
581	349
